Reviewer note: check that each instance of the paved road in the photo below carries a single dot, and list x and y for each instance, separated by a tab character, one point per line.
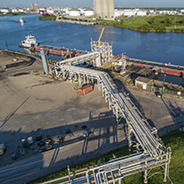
47	162
37	65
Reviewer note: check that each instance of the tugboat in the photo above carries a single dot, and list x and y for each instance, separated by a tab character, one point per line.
29	42
21	21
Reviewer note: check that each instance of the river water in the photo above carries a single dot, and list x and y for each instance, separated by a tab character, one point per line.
161	47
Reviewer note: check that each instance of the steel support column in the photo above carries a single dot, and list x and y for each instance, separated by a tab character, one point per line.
146	173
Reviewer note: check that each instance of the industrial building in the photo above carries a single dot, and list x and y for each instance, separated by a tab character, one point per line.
104	9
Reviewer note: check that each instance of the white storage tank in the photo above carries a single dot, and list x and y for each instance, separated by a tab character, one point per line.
66	10
88	12
14	10
74	12
142	13
182	11
81	11
129	13
5	10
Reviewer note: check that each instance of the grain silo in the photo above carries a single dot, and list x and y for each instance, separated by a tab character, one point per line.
104	9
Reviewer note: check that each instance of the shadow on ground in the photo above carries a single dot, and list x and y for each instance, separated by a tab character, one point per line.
104	132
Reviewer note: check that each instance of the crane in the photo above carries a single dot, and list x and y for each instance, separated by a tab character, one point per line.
99	43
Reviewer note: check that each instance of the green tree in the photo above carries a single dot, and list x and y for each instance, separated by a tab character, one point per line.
167	20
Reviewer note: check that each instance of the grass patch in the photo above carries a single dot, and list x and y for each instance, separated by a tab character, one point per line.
174	139
8	14
161	23
52	17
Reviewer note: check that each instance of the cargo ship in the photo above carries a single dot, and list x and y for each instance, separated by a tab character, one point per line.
31	44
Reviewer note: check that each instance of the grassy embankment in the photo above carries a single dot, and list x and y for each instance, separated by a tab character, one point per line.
174	139
52	17
8	14
165	23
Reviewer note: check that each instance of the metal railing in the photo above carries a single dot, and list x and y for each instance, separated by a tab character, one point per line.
79	59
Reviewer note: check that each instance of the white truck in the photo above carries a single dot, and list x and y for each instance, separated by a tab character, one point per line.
2	149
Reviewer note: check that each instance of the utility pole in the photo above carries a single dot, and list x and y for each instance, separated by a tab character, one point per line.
38	5
9	4
27	4
3	4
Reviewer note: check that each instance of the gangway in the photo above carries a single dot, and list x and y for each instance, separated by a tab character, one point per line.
151	152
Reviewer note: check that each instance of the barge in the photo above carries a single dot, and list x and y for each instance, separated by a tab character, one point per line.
164	68
31	44
58	51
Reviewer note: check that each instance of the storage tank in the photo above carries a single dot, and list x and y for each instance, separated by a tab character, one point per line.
142	13
67	11
74	12
88	12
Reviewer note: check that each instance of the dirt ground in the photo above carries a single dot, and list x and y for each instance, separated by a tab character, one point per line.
32	105
11	58
164	113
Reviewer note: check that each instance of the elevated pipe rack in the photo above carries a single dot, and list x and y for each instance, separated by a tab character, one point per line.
151	152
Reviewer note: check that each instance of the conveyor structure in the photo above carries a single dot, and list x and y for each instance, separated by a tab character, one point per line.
150	150
94	56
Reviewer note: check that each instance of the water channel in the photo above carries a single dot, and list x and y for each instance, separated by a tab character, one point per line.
161	47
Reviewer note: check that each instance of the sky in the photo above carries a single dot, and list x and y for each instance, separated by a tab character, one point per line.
89	3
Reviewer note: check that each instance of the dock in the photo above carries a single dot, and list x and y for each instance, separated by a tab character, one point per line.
76	22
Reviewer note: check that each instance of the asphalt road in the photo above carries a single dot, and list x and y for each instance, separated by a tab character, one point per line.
47	162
